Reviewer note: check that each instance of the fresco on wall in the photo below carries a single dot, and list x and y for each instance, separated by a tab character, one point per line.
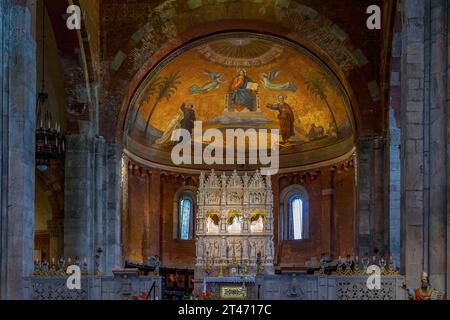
242	80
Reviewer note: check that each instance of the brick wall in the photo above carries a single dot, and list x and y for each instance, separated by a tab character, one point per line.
337	218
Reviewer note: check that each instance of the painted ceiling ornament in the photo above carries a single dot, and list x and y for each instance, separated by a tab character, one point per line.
241	52
268	82
216	80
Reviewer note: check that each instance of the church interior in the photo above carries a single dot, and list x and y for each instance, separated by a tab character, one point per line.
332	117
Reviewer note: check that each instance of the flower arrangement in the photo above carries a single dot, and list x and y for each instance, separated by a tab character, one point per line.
206	296
201	296
142	296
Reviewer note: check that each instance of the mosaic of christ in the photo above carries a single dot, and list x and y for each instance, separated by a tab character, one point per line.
242	81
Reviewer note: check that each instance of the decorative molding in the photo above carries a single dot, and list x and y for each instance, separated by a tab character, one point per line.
144	163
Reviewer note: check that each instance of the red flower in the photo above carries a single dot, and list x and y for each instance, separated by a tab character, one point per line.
203	295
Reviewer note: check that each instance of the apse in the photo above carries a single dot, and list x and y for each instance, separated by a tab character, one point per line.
198	82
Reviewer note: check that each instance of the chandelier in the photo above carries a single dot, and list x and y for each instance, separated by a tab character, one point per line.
50	143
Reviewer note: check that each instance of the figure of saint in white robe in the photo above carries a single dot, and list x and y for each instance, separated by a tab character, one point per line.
173	125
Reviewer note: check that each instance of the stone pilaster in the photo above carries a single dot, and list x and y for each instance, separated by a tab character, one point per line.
92	208
155	214
79	207
394	190
372	196
112	210
17	129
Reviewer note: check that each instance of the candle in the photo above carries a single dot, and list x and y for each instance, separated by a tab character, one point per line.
373	259
390	259
53	260
69	261
85	260
357	259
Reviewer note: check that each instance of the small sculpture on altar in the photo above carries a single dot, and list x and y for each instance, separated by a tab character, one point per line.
244	270
154	262
98	255
425	292
61	263
292	289
223	247
216	250
199	250
239	250
253	250
208	266
259	264
84	268
234	259
44	266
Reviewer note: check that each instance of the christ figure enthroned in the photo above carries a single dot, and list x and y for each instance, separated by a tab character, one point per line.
243	93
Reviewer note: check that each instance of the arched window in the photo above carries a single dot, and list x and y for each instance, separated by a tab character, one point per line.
294	213
183	213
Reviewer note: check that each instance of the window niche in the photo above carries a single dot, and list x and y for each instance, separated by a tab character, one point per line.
183	213
294	213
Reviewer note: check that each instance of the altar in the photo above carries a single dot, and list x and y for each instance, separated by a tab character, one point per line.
234	230
227	288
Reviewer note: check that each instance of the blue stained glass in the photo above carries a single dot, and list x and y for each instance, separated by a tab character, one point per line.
185	218
297	218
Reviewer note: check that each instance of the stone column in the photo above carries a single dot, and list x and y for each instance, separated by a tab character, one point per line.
79	199
5	49
107	204
372	220
424	142
17	129
113	252
412	141
100	186
92	201
438	128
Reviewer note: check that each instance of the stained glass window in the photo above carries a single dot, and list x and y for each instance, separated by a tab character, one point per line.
297	218
185	218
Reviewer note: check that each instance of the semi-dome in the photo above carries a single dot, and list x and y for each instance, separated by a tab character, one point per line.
203	76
